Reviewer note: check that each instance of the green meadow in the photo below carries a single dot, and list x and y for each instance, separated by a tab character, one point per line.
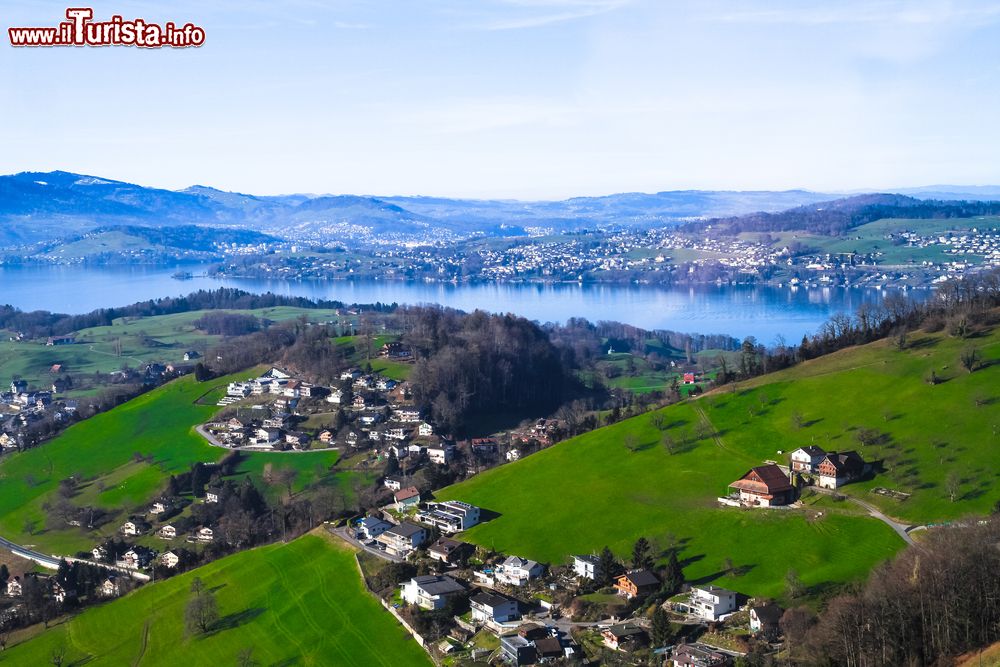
100	451
140	340
593	490
300	603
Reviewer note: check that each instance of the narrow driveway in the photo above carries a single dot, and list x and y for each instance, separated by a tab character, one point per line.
902	529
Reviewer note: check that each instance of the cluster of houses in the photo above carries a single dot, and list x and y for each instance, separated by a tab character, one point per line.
21	407
771	485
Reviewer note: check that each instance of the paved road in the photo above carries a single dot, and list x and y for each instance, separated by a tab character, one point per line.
902	529
52	562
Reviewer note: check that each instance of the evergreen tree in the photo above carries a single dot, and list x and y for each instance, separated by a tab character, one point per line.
661	628
673	574
640	554
608	567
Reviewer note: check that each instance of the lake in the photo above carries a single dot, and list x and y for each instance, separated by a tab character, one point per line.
763	312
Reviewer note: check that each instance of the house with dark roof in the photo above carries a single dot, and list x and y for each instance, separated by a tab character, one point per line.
841	468
698	655
402	539
491	607
764	486
517	650
636	583
547	649
625	637
765	620
430	591
448	550
807	459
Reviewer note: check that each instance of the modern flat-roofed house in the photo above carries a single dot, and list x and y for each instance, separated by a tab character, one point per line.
764	486
494	607
711	602
838	469
517	650
807	459
450	516
698	655
402	539
430	591
588	567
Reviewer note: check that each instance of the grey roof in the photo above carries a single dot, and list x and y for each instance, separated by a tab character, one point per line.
625	630
769	614
405	529
434	584
593	560
642	577
491	599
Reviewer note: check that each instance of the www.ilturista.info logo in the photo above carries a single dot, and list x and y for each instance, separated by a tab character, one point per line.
81	30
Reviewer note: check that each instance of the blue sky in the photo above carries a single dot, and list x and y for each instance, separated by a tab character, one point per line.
517	98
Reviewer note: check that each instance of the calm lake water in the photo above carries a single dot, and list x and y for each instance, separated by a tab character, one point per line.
763	312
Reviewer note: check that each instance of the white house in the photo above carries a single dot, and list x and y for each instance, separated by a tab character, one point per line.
205	535
488	607
158	508
430	591
442	455
425	429
513	454
450	516
170	559
517	571
807	459
335	397
711	602
369	528
392	483
587	567
168	532
402	539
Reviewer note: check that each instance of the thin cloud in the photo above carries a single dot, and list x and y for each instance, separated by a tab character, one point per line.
929	13
548	12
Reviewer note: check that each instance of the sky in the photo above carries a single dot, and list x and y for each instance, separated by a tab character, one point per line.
528	99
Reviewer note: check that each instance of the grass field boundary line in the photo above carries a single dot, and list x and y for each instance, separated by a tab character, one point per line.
143	646
703	416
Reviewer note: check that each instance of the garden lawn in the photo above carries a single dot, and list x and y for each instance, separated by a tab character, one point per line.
300	603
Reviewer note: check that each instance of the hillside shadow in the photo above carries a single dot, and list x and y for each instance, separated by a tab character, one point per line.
811	422
236	620
922	343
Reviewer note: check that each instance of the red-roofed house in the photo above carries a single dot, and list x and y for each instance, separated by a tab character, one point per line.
764	486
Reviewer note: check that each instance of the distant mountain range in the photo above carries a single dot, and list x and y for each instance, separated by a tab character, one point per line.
46	206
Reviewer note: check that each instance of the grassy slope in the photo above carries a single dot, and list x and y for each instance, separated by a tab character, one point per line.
872	236
159	423
172	336
935	430
298	603
591	491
